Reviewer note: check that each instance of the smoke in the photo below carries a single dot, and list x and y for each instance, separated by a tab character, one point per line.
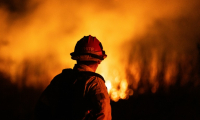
143	40
167	55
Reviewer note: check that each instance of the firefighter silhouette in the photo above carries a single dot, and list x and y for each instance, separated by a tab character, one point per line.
78	93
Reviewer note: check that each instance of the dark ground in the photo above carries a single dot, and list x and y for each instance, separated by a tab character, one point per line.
180	103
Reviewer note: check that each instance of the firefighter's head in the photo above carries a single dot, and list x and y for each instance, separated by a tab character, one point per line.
90	49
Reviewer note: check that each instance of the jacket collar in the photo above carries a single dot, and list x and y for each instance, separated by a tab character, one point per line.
82	67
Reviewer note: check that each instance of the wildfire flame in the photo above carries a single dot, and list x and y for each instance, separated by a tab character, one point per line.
150	44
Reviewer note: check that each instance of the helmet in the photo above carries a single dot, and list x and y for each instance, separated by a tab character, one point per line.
88	48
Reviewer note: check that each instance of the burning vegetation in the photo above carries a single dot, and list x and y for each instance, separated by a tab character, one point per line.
150	44
153	50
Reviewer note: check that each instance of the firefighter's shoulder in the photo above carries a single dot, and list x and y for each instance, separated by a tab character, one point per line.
61	76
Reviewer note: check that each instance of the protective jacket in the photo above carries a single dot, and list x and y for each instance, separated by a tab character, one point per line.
75	94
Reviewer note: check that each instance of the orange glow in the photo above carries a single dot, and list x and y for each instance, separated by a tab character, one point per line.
145	48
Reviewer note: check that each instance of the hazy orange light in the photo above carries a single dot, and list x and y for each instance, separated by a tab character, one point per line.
35	44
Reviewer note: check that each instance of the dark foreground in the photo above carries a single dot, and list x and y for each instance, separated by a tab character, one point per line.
180	103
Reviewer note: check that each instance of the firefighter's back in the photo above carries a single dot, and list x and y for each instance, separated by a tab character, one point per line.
68	96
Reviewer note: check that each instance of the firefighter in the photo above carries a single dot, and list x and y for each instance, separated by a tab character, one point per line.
78	93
